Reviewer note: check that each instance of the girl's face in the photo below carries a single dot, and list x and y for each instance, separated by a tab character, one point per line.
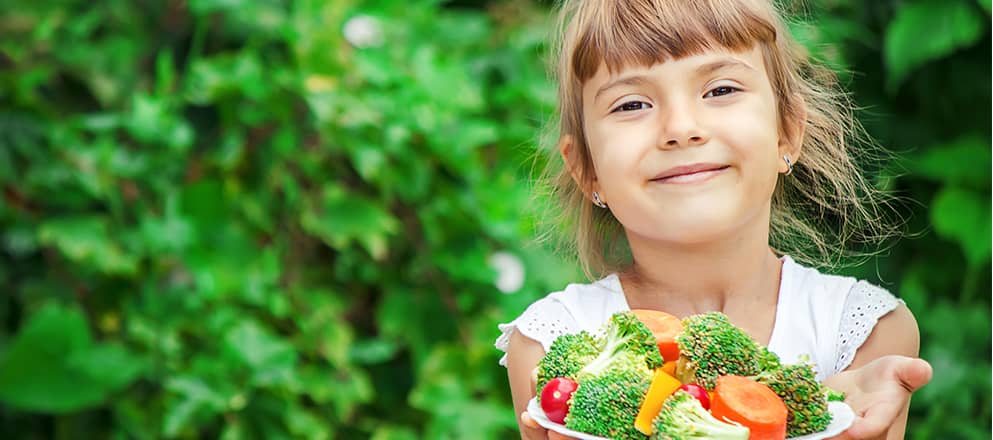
687	150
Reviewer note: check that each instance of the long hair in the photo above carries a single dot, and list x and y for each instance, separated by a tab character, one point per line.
819	213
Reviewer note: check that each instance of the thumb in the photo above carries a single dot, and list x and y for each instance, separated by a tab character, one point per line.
528	421
914	373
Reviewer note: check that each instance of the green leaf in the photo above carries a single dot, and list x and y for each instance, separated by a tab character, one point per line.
52	366
394	433
86	239
964	216
267	355
372	351
926	31
178	415
964	161
108	364
343	218
305	424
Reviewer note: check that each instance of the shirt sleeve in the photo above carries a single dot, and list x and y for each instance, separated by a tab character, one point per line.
543	321
866	303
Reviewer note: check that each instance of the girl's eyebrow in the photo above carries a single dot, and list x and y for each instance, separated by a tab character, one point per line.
723	63
704	69
627	80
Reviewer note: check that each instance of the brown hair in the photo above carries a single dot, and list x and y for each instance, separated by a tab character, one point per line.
818	212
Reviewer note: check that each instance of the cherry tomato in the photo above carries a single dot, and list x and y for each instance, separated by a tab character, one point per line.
696	391
555	398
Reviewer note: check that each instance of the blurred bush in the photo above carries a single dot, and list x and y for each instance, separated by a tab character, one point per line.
274	219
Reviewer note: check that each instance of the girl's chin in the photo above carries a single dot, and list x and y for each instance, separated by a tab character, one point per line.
687	232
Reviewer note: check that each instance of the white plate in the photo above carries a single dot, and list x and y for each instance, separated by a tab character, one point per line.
842	417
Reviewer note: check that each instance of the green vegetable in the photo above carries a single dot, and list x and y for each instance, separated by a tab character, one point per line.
834	396
627	343
567	355
607	405
684	418
711	346
804	396
613	384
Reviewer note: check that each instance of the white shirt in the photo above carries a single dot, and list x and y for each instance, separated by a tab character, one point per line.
825	317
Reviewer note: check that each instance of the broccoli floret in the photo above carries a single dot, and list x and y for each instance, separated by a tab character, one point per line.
612	386
711	346
804	396
768	361
567	355
683	418
624	334
607	405
834	396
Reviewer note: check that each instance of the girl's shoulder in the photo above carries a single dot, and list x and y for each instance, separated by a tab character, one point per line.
577	307
827	316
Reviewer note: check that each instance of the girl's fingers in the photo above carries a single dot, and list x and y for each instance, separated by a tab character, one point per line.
526	420
875	421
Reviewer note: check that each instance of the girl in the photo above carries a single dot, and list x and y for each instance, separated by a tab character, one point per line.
700	148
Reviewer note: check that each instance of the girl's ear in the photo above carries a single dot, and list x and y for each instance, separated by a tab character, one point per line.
793	130
567	148
566	143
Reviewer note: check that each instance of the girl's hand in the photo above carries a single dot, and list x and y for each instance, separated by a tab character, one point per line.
879	392
526	419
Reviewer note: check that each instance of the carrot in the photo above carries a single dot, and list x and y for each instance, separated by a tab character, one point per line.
752	404
663	385
665	327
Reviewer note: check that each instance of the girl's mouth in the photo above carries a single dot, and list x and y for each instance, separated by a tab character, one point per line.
690	173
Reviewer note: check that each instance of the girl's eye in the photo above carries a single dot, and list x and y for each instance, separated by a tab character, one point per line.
721	91
631	106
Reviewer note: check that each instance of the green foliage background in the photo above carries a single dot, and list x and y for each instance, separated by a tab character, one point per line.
220	218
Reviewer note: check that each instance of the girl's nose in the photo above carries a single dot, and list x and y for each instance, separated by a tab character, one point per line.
680	128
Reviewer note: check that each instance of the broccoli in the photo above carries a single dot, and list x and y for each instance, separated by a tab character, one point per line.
624	334
834	396
805	398
567	355
683	418
711	346
768	361
612	385
607	405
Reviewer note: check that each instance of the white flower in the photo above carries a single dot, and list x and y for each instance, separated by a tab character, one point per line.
510	271
364	31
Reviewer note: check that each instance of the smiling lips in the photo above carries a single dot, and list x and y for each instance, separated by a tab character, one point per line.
690	173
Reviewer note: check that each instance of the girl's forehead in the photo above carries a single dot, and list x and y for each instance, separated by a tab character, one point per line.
705	61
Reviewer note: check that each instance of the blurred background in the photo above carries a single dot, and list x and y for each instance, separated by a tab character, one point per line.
277	219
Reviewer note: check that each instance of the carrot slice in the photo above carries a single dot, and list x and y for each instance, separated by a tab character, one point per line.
752	404
663	385
665	327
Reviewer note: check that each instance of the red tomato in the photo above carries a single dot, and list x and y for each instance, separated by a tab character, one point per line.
696	391
555	398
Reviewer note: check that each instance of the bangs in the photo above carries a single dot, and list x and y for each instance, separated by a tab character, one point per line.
619	33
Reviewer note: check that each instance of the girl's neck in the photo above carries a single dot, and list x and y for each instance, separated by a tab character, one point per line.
736	276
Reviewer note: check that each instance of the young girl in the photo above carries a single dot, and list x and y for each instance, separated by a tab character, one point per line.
695	137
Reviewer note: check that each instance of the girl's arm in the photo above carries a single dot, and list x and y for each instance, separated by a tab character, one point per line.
523	354
882	376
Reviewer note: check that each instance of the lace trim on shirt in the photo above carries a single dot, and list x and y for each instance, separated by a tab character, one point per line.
866	303
543	321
